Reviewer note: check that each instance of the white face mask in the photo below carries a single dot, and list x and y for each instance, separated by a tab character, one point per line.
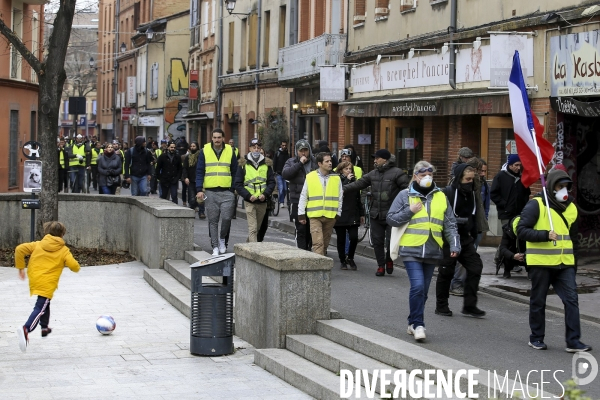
562	195
426	181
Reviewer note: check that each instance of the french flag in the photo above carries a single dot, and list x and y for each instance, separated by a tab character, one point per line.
525	123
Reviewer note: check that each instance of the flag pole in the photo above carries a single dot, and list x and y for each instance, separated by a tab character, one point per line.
541	168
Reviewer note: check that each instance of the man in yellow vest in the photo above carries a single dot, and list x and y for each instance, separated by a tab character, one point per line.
255	182
94	154
63	166
77	164
235	149
321	202
551	258
215	170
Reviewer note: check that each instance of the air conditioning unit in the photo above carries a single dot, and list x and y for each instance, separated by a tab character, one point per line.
351	89
360	18
382	11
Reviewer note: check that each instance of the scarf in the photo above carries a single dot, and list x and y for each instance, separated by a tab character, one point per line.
193	158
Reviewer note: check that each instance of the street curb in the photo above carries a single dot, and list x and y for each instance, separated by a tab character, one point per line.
366	251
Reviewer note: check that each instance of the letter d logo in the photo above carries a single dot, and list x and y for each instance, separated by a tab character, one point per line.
584	368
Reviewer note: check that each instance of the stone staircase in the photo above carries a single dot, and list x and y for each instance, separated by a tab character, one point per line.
312	363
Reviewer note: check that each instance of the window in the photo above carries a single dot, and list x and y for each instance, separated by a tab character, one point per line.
213	20
408	5
93	109
17	26
33	126
360	11
231	47
13	156
282	15
205	20
252	41
154	82
266	42
66	109
193	13
319	25
304	13
243	45
382	9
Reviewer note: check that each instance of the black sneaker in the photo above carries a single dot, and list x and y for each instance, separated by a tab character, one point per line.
380	271
351	264
343	265
473	312
46	331
444	312
578	347
389	267
539	345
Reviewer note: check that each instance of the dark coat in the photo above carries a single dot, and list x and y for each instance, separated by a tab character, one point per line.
294	172
167	171
138	163
508	194
241	176
108	166
279	160
530	216
386	182
463	205
510	245
352	208
188	171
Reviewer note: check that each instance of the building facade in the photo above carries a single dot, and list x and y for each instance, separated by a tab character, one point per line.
18	88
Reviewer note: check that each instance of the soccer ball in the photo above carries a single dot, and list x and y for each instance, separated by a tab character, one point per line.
106	324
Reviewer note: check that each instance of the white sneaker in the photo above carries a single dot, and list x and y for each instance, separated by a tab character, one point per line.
216	251
410	330
282	205
22	338
222	248
420	333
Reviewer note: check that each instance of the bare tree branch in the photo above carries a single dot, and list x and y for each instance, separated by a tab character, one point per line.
12	37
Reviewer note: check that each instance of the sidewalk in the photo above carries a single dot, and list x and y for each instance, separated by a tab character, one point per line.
146	357
514	289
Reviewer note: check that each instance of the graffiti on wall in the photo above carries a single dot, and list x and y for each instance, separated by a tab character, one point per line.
175	110
177	80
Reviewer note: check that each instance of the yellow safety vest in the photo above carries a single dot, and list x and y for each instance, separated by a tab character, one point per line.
77	150
217	173
237	152
95	155
157	153
423	222
61	160
358	172
319	204
545	253
255	180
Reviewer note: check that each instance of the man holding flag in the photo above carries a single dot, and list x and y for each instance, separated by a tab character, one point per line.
548	223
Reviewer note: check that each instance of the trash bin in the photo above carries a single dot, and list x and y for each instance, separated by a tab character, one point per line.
211	323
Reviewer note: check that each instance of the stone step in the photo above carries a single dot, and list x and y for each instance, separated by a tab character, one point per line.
196	255
401	354
335	357
312	379
180	270
170	288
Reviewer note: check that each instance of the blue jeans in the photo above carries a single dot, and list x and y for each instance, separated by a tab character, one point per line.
282	188
169	189
77	178
563	281
108	189
420	275
139	185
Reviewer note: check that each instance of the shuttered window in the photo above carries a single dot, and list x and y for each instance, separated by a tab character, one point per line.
267	41
319	18
406	5
281	33
231	47
360	7
252	41
304	13
244	45
13	157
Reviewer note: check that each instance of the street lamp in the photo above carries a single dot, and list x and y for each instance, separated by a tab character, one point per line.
230	5
123	47
150	34
92	63
295	107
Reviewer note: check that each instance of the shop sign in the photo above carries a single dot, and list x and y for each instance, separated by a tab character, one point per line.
414	107
333	84
131	92
410	143
567	105
149	121
575	64
503	48
193	86
125	113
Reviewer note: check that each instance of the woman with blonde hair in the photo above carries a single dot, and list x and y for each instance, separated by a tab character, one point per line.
424	207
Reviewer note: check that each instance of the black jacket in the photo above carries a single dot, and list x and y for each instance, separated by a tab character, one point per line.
294	172
138	162
511	245
188	171
167	171
465	206
281	156
352	208
530	216
108	166
241	176
386	182
508	194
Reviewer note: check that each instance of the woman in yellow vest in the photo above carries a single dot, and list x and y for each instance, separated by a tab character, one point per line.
551	258
430	222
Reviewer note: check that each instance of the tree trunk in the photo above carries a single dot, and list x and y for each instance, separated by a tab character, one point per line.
51	78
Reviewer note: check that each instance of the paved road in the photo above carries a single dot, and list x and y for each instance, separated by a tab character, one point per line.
498	342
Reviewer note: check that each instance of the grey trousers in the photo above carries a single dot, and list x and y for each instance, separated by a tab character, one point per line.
218	205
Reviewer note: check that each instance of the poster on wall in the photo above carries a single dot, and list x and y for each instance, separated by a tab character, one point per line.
575	65
502	51
32	176
333	84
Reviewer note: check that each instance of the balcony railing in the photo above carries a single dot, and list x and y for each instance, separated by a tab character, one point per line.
303	59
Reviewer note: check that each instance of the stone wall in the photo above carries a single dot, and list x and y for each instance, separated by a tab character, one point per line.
280	290
150	229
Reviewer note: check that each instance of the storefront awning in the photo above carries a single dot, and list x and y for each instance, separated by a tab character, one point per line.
448	102
199	116
568	105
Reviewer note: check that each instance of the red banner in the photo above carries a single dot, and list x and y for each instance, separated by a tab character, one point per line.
193	87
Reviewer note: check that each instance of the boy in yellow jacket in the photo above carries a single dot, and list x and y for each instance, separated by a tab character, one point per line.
47	259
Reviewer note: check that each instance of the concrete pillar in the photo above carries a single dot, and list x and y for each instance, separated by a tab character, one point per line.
280	290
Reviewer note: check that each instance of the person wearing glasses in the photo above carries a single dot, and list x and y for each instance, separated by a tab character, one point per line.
350	156
431	224
255	182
